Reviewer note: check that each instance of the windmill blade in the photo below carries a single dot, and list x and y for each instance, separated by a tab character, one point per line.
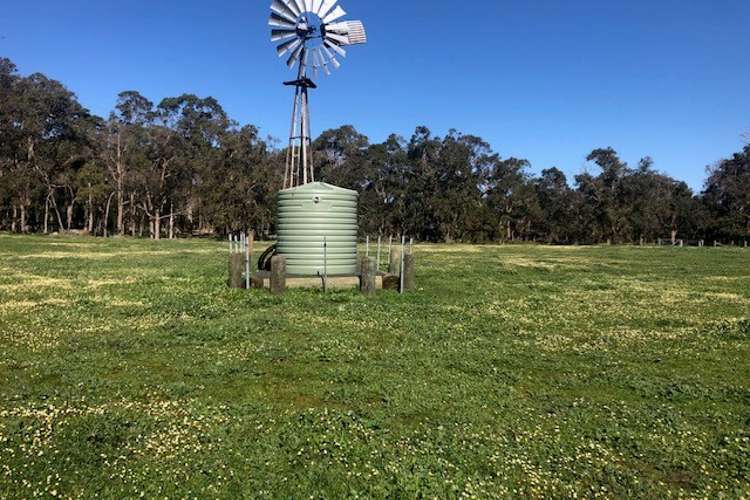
325	55
300	5
317	56
306	58
295	56
316	6
335	63
326	52
282	34
356	33
326	71
337	13
308	5
290	45
338	39
284	11
325	8
278	21
319	62
335	48
341	28
292	7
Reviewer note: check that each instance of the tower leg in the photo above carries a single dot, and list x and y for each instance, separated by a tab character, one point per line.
299	158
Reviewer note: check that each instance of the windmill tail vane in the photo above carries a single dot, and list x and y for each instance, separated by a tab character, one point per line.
312	34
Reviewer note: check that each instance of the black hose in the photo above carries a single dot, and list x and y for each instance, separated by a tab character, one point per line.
264	262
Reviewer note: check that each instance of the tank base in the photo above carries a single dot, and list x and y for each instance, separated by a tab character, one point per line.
346	282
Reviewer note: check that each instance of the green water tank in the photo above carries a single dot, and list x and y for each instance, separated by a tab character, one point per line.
309	214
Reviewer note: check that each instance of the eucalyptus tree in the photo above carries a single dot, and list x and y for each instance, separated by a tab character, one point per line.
8	139
507	193
201	126
556	203
383	200
46	119
240	193
420	215
611	204
340	157
727	196
683	210
463	165
124	154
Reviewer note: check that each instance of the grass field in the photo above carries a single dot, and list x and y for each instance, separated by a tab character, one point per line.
127	368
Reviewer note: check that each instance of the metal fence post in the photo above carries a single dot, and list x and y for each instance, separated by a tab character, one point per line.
325	264
403	250
378	257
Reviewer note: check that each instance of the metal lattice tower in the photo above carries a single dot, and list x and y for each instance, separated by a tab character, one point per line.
310	31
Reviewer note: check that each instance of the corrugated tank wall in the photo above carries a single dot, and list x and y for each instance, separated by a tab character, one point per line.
307	215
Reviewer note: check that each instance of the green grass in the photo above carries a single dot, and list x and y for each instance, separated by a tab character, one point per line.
128	368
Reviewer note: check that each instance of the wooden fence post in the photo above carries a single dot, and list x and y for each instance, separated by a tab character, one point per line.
394	266
367	273
410	273
278	275
249	260
235	270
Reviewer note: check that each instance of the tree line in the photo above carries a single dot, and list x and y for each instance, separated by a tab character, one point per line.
183	167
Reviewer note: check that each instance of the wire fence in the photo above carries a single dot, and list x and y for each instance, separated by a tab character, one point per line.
681	243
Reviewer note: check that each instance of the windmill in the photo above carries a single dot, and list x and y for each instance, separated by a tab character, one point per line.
312	34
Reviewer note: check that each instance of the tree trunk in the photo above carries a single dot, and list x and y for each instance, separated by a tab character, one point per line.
14	219
171	221
91	211
674	237
51	197
157	224
120	212
46	215
120	178
23	218
106	218
69	215
106	215
132	214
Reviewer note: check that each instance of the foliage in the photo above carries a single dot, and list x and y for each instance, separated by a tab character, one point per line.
128	368
728	195
182	166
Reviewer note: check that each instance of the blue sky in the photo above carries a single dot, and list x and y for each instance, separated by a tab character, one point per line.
547	80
